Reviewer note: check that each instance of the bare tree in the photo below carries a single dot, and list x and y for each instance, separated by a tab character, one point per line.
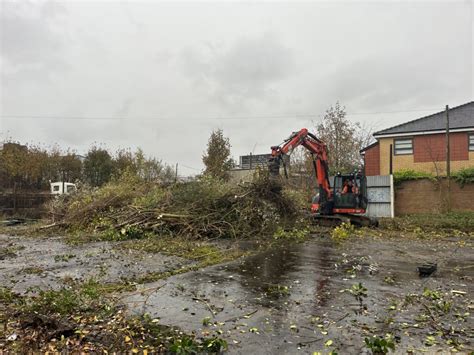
344	139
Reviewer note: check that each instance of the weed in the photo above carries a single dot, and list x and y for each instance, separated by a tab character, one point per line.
184	345
358	291
204	253
6	295
380	345
33	270
444	306
389	280
63	302
411	298
459	223
430	340
63	258
180	287
464	176
433	295
214	345
277	291
86	298
8	252
206	321
189	345
132	232
393	305
61	322
295	234
343	232
454	343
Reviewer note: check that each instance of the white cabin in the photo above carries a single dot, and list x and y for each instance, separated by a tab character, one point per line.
57	188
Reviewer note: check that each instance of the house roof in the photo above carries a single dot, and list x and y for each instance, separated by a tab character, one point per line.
460	117
369	146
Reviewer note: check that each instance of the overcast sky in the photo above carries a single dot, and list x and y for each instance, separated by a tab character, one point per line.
161	76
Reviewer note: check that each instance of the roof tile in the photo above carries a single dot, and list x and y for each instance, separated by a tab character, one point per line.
459	117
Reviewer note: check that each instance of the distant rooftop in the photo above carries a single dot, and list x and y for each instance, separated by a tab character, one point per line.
459	117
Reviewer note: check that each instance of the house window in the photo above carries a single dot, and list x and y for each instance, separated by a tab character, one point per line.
403	146
55	188
471	142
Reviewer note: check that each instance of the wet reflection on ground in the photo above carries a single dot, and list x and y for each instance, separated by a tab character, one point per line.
294	298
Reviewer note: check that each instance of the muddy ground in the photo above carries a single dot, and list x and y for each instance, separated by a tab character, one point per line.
293	298
50	263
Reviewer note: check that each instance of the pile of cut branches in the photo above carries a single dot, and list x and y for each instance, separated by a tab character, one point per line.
127	208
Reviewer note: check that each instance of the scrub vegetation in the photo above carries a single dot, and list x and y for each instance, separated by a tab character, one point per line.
84	318
208	208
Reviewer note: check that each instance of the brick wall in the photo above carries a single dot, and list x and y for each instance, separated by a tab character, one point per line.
426	196
432	147
407	161
372	161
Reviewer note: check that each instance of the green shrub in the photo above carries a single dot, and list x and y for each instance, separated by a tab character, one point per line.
86	299
430	222
342	232
294	234
464	176
409	174
277	291
6	295
380	345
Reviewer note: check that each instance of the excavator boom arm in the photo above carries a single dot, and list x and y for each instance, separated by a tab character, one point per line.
317	149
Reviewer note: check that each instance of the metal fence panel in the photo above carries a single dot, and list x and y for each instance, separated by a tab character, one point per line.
380	196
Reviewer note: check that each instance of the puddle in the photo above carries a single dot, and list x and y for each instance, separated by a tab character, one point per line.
290	299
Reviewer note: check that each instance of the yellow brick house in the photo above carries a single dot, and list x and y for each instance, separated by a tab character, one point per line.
420	144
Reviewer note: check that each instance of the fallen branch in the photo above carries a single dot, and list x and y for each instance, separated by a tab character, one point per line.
52	225
235	319
207	305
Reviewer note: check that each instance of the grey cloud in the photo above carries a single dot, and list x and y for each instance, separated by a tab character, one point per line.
27	33
125	108
390	81
31	40
241	73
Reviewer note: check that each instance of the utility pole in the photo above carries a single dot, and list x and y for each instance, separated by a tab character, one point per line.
448	161
176	174
391	160
64	177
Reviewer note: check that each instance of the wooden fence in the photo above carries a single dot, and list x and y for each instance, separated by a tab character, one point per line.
25	204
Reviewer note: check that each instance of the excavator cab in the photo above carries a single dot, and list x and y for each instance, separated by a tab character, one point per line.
348	196
350	193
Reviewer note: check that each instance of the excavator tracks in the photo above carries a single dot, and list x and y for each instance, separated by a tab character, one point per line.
337	219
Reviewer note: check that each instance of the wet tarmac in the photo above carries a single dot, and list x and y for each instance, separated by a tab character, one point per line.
286	300
49	263
293	299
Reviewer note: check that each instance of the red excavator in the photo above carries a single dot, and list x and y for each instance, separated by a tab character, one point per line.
345	201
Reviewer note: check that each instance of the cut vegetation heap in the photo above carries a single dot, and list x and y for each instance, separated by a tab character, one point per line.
129	208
